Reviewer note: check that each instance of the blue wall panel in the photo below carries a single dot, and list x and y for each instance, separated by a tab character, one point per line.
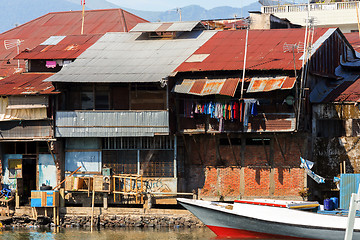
349	184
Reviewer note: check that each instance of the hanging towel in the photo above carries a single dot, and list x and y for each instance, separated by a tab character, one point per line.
50	64
66	62
254	111
248	110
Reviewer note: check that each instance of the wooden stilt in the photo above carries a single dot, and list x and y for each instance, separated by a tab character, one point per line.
57	216
54	216
92	210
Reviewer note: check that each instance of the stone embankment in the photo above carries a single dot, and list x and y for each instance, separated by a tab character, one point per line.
104	221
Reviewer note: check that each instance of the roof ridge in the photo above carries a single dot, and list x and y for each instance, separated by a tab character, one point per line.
77	11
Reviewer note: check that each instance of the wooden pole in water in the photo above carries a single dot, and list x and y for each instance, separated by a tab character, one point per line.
54	216
92	209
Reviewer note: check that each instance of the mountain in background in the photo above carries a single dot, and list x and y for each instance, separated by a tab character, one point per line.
195	12
18	12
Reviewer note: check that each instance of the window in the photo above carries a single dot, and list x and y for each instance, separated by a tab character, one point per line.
154	156
101	100
87	100
330	128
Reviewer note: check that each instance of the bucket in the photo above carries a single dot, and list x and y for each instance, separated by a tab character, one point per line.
328	205
335	201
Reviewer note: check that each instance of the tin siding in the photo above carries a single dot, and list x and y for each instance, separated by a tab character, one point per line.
111	124
348	184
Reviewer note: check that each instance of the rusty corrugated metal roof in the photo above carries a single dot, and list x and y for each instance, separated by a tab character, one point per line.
204	87
26	84
354	40
62	23
266	84
346	92
266	50
68	48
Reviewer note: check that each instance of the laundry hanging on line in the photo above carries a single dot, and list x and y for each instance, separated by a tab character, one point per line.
234	110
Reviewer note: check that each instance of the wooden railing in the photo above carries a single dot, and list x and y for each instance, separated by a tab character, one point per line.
130	185
313	7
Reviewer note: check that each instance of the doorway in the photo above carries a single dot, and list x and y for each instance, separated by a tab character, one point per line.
29	177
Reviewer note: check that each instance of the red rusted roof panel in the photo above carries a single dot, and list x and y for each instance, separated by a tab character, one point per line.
354	40
288	83
229	87
346	92
198	86
266	50
207	86
265	84
69	48
62	24
26	84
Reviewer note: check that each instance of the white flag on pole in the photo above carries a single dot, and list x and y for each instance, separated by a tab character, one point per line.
307	165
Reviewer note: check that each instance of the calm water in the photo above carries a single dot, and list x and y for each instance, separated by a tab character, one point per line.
125	234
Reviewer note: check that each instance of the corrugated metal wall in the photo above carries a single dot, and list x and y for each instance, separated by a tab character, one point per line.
26	129
111	123
349	184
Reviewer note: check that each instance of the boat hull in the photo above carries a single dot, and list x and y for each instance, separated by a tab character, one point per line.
226	224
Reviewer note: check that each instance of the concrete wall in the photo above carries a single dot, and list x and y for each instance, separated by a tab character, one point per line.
47	170
247	170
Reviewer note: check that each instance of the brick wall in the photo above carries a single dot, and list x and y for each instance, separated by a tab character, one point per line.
260	170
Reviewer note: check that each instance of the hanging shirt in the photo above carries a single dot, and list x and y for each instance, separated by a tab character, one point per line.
241	110
254	111
247	110
224	110
229	111
236	110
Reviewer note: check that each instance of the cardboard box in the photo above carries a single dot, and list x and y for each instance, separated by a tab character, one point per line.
45	198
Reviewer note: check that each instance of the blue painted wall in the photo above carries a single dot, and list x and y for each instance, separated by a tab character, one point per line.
47	170
89	161
9	182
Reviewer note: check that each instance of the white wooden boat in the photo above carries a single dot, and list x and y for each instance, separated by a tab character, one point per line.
268	219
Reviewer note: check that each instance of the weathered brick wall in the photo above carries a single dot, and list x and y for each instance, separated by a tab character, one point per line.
224	171
288	181
257	182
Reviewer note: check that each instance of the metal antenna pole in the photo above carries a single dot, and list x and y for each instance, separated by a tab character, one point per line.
303	67
243	74
83	16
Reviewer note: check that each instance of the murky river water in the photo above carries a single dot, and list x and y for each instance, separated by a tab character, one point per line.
118	234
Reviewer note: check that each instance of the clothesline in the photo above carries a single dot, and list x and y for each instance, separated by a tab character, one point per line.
234	110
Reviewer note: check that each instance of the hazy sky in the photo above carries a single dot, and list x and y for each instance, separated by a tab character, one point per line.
162	5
